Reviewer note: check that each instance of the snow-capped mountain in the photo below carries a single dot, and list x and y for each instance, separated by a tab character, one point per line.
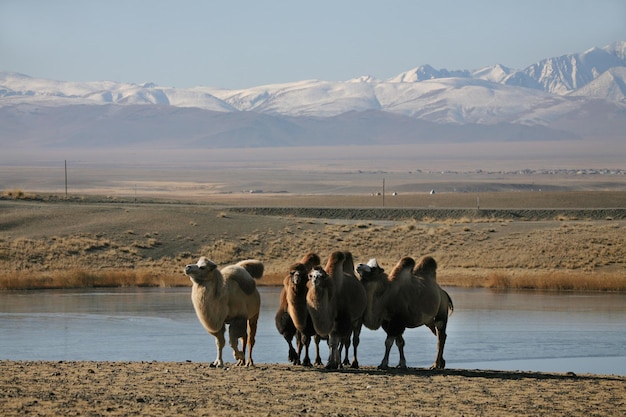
539	100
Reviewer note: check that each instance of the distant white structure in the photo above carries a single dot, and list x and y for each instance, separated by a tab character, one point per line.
432	191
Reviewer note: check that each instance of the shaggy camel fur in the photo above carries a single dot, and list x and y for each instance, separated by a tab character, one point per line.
352	301
321	303
339	314
227	297
409	297
283	321
292	318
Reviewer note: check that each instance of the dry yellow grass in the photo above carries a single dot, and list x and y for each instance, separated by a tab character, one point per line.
54	245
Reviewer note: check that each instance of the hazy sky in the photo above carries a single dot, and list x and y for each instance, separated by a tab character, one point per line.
238	44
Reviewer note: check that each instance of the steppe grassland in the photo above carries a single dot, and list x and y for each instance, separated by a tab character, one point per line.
147	244
126	238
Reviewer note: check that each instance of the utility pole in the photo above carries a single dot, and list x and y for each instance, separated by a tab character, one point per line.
66	178
383	192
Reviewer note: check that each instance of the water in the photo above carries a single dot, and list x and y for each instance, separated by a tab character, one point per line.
531	331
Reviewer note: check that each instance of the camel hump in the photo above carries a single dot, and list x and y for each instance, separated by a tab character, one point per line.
254	267
427	267
311	260
348	263
335	259
403	269
241	276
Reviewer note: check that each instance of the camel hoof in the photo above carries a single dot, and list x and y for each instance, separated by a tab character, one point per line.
307	363
354	365
383	367
332	366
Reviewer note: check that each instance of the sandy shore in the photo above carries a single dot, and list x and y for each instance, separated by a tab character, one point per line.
167	389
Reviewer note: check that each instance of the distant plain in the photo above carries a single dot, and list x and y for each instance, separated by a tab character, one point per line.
135	217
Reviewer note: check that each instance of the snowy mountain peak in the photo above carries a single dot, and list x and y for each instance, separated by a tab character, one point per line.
618	49
427	72
364	79
496	73
488	95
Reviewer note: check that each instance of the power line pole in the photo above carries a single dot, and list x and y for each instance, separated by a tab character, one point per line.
66	178
383	192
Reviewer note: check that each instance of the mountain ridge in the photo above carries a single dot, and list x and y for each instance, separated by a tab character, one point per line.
573	96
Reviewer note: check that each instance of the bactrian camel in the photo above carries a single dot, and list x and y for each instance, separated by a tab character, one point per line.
409	297
227	297
336	302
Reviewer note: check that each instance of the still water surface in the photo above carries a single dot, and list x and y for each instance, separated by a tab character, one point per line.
533	331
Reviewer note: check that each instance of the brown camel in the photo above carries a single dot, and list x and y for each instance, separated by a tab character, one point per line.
354	299
346	301
409	297
321	302
290	311
293	319
283	321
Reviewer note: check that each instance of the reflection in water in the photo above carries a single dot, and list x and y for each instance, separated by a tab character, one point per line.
488	330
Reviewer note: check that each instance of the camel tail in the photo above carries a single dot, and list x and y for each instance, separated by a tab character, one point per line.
254	267
450	305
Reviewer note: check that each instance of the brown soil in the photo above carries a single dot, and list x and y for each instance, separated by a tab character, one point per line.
166	389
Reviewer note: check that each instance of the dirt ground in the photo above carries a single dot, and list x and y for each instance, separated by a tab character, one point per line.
166	389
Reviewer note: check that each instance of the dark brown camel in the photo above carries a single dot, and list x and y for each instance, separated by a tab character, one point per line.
344	304
292	318
409	297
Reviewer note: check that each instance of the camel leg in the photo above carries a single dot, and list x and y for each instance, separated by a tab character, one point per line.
318	357
305	341
400	345
345	344
220	342
439	330
252	326
299	346
236	331
334	357
356	339
292	355
388	344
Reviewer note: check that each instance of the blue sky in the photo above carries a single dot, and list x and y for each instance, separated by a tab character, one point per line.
239	44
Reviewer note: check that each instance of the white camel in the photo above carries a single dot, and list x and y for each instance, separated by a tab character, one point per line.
227	297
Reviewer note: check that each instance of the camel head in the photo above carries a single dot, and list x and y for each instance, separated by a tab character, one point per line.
298	275
369	271
318	278
200	271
